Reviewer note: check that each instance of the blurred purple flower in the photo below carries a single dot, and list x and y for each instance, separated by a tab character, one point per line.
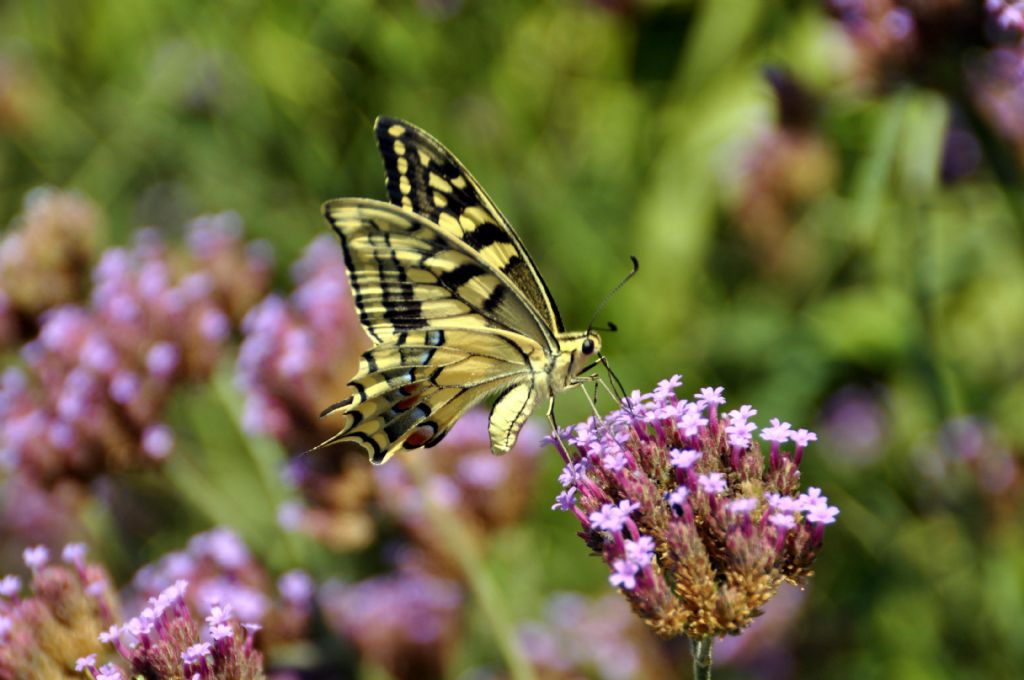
406	621
297	353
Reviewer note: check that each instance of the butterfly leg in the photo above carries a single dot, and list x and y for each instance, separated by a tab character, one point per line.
553	424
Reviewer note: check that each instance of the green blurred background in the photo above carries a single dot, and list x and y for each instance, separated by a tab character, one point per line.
830	263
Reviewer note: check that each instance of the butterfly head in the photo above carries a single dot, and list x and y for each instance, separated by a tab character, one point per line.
582	350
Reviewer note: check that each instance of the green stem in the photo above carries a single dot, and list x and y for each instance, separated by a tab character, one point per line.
701	650
485	588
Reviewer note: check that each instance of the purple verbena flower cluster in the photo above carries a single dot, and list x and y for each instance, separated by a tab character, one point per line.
222	571
298	352
99	375
165	641
43	631
698	528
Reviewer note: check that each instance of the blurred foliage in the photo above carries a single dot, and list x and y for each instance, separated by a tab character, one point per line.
796	263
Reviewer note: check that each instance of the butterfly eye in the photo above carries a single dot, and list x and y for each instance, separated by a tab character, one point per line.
588	346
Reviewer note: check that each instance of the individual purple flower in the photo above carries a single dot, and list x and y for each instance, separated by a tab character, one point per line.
564	501
110	635
683	459
36	557
85	662
162	359
624	574
296	587
712	483
74	553
742	414
196	654
613	517
678	497
666	388
779	432
109	672
742	506
803	437
10	586
822	513
782	520
157	441
641	551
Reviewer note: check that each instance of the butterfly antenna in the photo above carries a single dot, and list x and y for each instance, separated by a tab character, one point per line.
636	268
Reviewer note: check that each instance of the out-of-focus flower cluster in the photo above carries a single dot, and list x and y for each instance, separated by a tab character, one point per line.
967	459
597	638
45	258
98	375
43	631
787	166
698	528
222	571
487	491
955	46
296	357
407	621
299	352
166	642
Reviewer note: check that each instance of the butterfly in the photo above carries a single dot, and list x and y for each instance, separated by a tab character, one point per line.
453	303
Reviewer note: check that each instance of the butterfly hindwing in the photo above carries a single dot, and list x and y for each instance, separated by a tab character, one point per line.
509	413
425	178
409	392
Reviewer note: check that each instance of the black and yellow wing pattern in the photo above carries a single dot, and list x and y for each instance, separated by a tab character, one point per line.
452	301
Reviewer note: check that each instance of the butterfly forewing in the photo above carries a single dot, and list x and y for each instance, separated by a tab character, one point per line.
425	178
